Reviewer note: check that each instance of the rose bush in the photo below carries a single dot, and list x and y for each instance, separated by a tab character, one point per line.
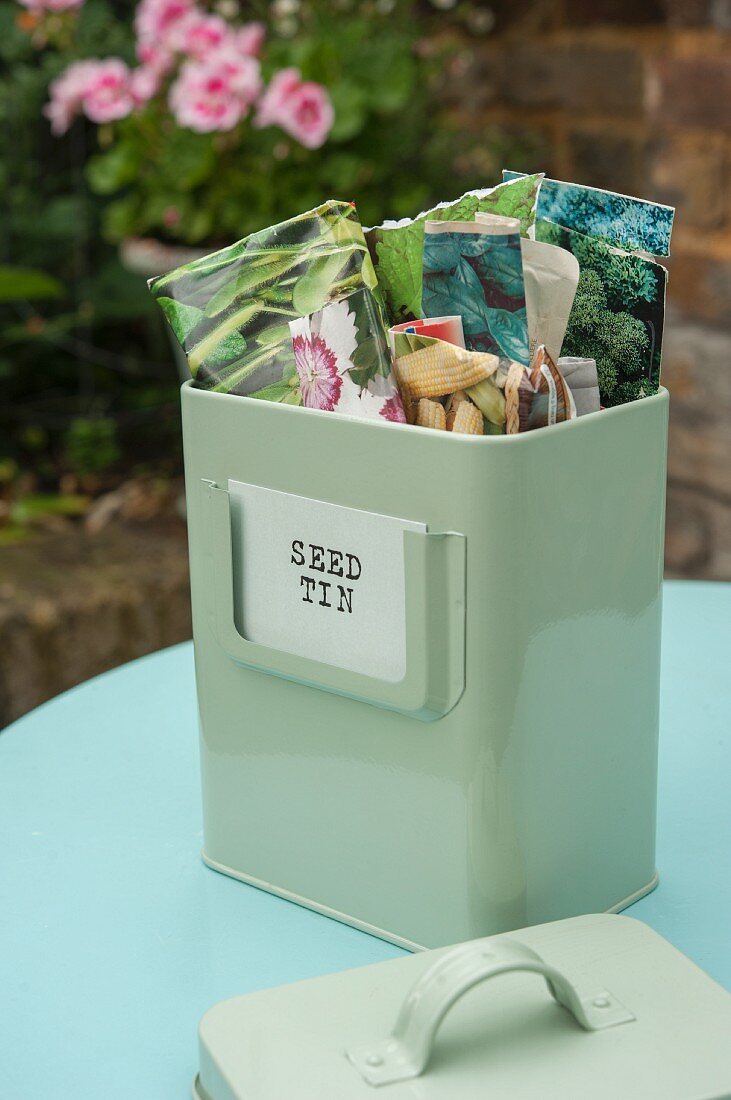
205	69
218	117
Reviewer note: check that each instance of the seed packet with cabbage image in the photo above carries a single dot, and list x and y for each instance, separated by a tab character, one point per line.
397	247
231	310
475	269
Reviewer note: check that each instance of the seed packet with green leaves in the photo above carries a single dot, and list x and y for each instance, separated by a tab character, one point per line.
475	269
231	310
397	248
617	316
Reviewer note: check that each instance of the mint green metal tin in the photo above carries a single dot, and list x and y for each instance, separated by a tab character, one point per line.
508	778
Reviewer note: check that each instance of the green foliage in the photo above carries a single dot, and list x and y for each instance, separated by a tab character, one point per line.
100	350
628	279
37	505
91	445
27	284
616	340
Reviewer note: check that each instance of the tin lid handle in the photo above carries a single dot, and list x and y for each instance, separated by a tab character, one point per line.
406	1052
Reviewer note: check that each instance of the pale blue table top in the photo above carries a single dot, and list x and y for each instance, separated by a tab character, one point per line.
115	939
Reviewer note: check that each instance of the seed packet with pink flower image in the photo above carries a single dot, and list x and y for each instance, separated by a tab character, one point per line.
342	362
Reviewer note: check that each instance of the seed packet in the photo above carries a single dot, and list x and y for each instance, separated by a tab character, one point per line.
443	328
629	223
510	398
231	310
618	314
431	369
551	276
551	402
397	247
475	269
581	377
326	346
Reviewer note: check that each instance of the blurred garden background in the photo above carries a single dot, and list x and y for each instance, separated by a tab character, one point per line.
115	166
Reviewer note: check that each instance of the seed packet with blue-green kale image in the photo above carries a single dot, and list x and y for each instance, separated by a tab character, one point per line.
475	269
621	220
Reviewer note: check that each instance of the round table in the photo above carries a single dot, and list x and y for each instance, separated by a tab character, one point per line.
115	939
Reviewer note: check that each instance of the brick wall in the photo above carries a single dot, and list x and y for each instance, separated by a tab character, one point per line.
631	95
634	96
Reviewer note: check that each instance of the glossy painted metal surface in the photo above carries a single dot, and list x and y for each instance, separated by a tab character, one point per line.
115	938
635	1020
534	798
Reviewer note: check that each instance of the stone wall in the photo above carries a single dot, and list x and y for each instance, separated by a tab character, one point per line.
73	605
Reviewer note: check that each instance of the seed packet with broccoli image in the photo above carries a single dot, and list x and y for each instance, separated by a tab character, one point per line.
397	247
618	314
621	220
231	310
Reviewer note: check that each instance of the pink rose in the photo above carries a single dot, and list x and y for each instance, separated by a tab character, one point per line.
51	5
157	21
67	92
99	89
301	108
154	56
199	34
108	96
272	104
242	73
144	83
215	94
249	39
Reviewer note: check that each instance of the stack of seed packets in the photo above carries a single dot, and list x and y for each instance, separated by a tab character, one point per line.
292	314
458	320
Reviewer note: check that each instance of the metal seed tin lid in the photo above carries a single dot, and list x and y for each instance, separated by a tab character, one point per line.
597	1006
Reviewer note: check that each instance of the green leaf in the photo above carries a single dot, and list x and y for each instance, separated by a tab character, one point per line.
209	344
27	284
399	270
250	276
42	504
349	104
509	330
312	289
110	171
182	319
232	347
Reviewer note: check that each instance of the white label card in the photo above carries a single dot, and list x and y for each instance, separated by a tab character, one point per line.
319	580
